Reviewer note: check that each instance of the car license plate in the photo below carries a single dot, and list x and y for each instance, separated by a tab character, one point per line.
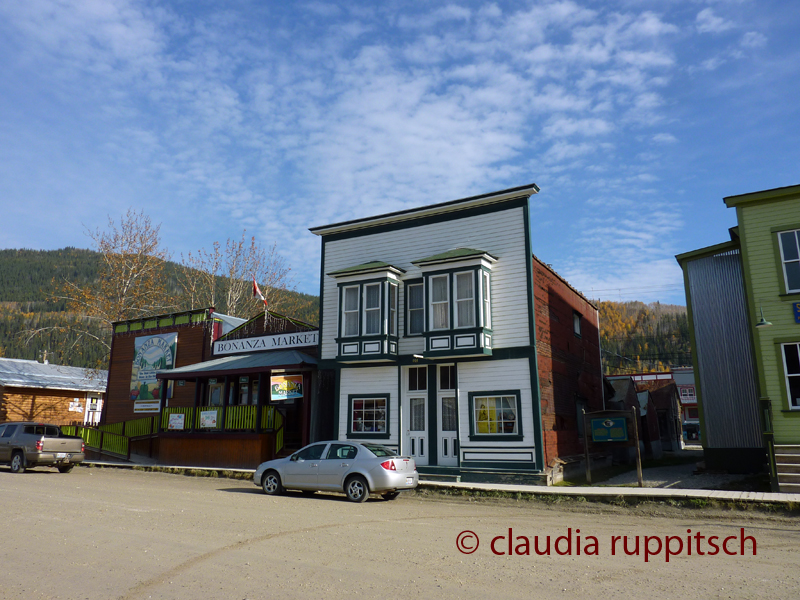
61	455
409	481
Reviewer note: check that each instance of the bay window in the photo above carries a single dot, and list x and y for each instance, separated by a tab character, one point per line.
372	309
440	302
487	300
392	309
465	299
350	311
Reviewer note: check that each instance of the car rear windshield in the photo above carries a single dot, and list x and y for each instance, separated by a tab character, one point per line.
379	451
47	430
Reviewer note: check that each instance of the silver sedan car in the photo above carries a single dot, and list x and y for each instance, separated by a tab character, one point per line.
355	468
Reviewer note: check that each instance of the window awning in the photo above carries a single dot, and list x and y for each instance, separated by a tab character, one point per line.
238	364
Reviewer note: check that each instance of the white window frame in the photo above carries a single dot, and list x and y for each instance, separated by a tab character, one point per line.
445	302
785	262
346	312
378	308
789	376
457	301
486	278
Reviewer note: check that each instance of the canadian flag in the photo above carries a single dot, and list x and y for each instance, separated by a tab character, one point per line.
257	295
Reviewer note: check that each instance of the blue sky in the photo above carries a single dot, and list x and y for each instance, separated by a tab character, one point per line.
634	117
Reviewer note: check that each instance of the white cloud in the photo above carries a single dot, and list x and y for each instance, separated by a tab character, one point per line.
708	22
754	39
565	127
664	138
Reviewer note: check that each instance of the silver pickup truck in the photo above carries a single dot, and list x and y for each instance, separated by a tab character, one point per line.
26	445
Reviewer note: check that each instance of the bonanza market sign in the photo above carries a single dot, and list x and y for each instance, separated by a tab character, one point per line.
152	353
267	342
285	387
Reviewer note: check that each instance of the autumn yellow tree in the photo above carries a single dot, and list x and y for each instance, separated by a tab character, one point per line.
132	283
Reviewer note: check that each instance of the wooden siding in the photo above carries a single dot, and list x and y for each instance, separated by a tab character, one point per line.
194	345
47	406
373	380
495	375
759	245
502	234
569	366
243	451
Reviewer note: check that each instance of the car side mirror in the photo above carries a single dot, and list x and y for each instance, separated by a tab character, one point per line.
293	458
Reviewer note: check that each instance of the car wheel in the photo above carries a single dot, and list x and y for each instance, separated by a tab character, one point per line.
357	489
391	495
271	483
17	463
65	468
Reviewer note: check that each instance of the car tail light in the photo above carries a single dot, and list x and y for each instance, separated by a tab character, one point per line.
389	465
39	445
83	446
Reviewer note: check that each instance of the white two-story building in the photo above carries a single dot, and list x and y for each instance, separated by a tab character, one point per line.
427	318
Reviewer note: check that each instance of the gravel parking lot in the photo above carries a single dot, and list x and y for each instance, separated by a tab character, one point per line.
113	533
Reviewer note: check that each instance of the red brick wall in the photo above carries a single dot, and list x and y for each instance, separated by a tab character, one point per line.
194	345
569	365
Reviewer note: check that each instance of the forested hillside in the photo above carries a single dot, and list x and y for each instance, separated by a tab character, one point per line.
637	337
28	279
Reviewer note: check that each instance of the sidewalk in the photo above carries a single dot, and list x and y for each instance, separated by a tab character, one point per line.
599	491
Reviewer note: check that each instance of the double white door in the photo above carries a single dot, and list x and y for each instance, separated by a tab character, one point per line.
416	416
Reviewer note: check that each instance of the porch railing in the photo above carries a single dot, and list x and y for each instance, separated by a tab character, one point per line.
115	438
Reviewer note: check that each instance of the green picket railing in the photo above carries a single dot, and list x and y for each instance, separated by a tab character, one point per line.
140	427
268	418
117	428
239	418
114	443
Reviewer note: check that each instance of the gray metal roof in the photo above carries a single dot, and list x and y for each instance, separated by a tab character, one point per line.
240	362
18	373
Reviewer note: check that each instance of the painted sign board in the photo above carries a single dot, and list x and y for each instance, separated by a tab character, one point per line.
285	387
208	419
147	406
610	430
176	421
152	353
282	341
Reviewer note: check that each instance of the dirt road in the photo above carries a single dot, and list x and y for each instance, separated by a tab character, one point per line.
107	533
